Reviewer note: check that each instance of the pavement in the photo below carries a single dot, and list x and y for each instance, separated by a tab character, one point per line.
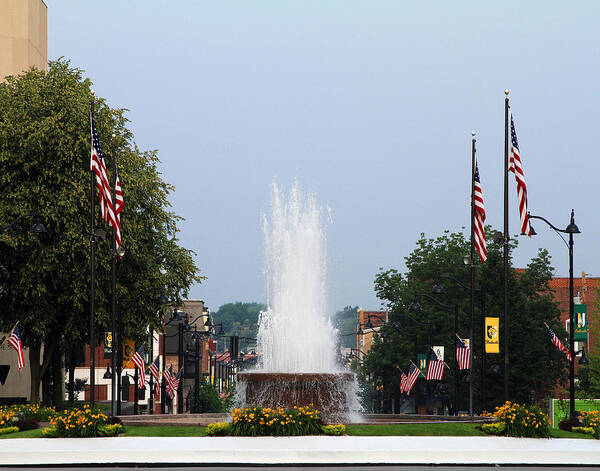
310	450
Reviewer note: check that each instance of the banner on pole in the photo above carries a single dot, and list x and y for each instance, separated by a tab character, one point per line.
492	337
581	325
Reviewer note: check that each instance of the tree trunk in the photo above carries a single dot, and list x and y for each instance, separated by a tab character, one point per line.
58	379
37	369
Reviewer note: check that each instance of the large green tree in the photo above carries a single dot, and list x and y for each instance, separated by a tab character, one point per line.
45	169
535	367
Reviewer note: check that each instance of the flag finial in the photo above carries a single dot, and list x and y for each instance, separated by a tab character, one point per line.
473	133
506	92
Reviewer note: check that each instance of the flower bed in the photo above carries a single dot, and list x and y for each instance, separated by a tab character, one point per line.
84	422
519	421
591	419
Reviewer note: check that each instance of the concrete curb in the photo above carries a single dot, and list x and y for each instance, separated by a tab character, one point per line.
299	450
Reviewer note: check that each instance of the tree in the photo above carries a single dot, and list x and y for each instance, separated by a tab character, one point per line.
45	169
345	322
535	367
589	375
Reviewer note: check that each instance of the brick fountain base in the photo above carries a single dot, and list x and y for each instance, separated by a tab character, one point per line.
327	392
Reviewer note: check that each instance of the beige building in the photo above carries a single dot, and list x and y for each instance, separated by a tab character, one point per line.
23	44
23	36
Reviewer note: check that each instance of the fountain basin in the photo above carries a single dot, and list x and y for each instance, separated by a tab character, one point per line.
330	393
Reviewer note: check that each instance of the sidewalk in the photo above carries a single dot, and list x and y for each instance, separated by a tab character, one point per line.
299	450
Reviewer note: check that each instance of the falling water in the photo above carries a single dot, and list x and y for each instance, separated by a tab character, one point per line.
295	334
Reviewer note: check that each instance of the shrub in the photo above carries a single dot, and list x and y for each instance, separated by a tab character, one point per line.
110	430
339	429
568	424
592	419
205	399
496	428
221	429
586	430
5	430
523	421
27	423
79	422
258	421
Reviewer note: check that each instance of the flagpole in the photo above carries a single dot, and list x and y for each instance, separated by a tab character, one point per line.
472	267
115	379
506	246
92	278
6	337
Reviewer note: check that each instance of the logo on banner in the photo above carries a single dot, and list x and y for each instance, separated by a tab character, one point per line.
492	340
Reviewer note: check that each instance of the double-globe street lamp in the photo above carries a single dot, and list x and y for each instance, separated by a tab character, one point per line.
570	229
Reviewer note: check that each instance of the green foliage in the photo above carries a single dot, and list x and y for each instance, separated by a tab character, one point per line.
78	423
5	430
221	429
337	430
45	162
496	428
110	430
206	399
260	421
239	319
535	366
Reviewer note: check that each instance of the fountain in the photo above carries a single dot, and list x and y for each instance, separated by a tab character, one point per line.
295	336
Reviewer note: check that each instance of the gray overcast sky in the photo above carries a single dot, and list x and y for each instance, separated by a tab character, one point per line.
369	104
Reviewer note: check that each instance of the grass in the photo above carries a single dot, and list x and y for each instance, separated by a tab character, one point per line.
421	430
560	412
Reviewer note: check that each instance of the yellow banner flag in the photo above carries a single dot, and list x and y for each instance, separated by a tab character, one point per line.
492	335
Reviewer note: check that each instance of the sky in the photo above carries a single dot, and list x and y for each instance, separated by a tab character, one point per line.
369	105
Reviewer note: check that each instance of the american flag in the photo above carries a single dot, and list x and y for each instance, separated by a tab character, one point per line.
139	361
514	165
403	379
463	354
479	218
558	344
169	378
155	372
98	166
15	341
177	379
411	379
435	367
118	208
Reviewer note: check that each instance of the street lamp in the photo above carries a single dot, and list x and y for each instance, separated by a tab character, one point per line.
570	229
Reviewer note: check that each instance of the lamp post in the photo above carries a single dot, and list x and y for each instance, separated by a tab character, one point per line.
570	229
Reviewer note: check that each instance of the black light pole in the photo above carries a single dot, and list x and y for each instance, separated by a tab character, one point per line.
570	229
180	328
506	239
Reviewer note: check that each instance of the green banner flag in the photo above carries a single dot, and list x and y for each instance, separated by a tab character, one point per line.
581	323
